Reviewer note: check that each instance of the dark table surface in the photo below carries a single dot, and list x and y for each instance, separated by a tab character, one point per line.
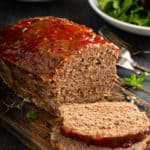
78	11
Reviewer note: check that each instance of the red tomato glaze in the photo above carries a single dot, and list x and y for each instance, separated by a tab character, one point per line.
38	45
111	142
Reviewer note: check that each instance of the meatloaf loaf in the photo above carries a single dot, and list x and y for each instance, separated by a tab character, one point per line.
50	61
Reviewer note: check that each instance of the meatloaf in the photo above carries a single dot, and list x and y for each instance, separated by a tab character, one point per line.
60	142
51	61
106	124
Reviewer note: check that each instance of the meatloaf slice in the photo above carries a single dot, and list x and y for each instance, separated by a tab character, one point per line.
50	61
60	142
109	124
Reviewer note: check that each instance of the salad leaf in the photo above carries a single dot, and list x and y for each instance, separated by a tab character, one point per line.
126	10
105	4
111	6
126	5
135	81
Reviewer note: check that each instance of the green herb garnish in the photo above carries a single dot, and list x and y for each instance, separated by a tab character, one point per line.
24	29
135	81
32	115
126	10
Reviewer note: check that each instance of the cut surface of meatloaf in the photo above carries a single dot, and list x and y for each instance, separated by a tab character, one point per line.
50	61
60	142
109	124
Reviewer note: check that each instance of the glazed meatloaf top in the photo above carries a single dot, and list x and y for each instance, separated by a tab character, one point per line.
40	45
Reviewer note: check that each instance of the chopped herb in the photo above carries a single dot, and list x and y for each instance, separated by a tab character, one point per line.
32	115
135	81
24	29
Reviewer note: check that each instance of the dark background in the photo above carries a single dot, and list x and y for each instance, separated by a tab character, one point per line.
78	11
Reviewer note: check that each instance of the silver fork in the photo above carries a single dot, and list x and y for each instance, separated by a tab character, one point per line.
125	59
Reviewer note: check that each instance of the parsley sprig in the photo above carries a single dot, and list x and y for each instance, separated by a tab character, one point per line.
135	81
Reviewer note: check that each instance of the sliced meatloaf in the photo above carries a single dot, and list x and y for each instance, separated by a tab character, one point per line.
60	142
108	124
50	61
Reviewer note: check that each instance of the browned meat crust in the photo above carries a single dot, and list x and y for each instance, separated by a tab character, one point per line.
60	142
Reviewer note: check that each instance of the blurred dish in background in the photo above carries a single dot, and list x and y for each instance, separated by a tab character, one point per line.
132	28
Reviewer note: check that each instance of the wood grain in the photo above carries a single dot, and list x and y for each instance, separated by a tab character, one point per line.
36	134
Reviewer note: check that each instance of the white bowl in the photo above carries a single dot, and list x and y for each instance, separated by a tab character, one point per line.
141	30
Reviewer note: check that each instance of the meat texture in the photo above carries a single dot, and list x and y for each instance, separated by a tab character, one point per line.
108	124
51	61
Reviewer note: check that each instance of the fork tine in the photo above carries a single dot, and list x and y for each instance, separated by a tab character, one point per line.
124	55
124	63
109	35
142	68
124	49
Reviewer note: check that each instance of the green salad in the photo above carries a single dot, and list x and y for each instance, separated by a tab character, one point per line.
126	10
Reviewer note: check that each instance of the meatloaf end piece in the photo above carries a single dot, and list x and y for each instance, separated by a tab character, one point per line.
60	142
109	124
50	61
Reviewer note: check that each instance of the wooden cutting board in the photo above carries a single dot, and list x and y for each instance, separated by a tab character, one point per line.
36	134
